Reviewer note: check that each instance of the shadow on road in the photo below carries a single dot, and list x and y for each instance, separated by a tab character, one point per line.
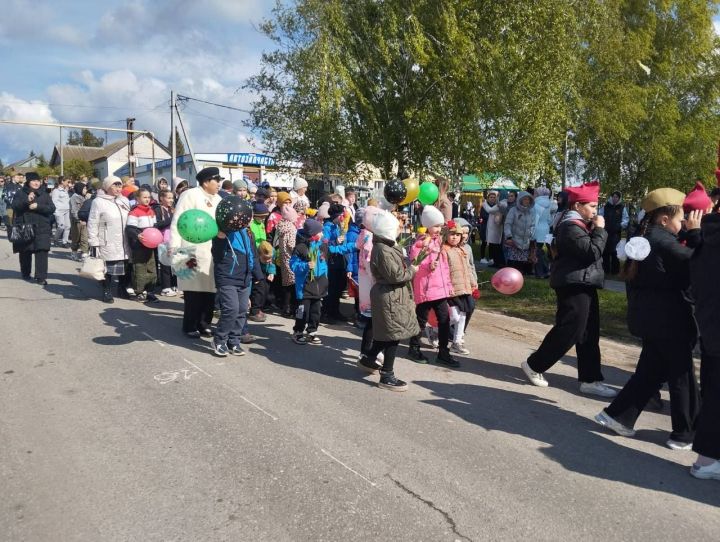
571	439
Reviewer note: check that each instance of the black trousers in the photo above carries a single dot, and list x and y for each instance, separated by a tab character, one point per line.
198	310
496	254
442	311
367	339
307	314
259	296
337	282
661	361
577	322
389	350
483	249
707	434
611	264
41	263
165	276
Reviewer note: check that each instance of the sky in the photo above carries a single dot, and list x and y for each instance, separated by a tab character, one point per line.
97	63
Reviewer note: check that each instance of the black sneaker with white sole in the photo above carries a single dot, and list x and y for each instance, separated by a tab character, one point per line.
299	338
220	349
444	358
313	339
236	350
371	366
388	381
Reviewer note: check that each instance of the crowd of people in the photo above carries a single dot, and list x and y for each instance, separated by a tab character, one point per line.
286	256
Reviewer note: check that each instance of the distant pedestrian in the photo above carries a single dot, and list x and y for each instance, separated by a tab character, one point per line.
61	199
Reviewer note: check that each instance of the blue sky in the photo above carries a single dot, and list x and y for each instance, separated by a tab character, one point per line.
99	62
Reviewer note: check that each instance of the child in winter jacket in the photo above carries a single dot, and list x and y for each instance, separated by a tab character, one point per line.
163	218
257	226
309	265
337	274
236	268
144	276
261	290
431	286
78	229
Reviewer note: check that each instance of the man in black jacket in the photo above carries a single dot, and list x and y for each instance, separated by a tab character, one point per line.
616	220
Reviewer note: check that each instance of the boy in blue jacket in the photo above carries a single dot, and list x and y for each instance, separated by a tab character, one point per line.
337	274
309	265
237	267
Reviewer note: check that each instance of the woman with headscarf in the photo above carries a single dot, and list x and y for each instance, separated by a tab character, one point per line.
106	233
32	205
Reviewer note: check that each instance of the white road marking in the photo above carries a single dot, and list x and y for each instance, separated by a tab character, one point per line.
153	339
356	473
198	368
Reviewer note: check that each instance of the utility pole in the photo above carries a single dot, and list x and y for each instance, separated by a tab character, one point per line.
131	146
62	161
187	140
173	144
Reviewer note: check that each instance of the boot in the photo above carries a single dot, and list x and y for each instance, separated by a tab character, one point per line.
106	294
444	358
415	354
388	381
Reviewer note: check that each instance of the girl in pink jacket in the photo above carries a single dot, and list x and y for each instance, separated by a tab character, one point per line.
432	287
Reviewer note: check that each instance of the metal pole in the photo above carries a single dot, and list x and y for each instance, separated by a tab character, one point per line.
173	144
60	125
152	144
565	160
187	140
62	164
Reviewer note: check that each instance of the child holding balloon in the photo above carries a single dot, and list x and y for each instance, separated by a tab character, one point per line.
141	224
163	215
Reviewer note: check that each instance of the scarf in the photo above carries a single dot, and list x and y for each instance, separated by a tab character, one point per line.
142	210
240	241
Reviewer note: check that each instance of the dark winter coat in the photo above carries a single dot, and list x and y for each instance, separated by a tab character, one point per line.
704	266
579	256
39	217
393	308
231	267
305	286
658	298
613	215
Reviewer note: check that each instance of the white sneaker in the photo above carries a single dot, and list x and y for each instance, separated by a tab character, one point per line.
130	292
459	348
535	378
606	421
83	256
168	292
380	357
708	472
597	388
678	445
491	262
484	261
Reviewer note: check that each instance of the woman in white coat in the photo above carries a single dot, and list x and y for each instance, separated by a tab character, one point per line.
198	291
106	233
494	231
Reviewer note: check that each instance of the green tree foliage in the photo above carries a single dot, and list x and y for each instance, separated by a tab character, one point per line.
179	147
85	138
76	168
461	85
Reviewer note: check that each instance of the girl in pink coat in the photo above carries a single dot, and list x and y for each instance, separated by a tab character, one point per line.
432	287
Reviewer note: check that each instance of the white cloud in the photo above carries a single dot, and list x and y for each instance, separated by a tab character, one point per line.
716	24
22	139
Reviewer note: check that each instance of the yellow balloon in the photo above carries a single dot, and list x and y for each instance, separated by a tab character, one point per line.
413	189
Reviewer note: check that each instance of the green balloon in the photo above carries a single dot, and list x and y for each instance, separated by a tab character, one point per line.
428	193
196	226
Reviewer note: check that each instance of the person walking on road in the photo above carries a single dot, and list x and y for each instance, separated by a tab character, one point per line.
576	275
61	200
32	205
106	233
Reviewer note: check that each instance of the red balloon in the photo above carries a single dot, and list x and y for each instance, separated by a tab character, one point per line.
507	281
151	237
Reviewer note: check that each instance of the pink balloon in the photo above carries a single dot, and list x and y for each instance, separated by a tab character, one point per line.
152	237
166	235
507	281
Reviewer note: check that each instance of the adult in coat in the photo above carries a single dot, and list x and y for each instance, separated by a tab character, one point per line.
32	205
494	228
106	233
198	290
520	234
545	209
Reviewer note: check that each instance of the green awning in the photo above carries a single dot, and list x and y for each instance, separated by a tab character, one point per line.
487	181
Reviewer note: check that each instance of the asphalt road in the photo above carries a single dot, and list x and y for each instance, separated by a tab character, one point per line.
113	426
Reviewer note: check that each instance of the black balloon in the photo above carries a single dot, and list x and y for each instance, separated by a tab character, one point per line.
395	191
233	214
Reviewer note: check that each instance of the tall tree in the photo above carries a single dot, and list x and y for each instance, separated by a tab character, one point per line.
179	147
76	168
85	138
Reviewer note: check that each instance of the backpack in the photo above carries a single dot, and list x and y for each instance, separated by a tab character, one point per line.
84	211
553	243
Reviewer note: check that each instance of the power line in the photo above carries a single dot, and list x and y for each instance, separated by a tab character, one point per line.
183	98
83	106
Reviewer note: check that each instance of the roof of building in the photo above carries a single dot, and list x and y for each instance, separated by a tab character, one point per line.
93	154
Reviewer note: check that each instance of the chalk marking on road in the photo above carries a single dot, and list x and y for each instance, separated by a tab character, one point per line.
249	402
198	368
128	324
153	339
356	473
170	376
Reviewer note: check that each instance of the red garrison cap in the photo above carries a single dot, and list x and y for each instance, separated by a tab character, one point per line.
697	199
586	193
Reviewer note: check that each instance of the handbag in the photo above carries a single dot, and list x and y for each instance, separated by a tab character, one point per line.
93	268
22	233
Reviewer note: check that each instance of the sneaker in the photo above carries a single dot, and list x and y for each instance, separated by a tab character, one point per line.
389	382
207	332
257	317
168	292
299	338
130	292
236	350
248	338
536	379
678	445
220	349
83	256
606	421
367	364
193	334
141	297
459	348
484	261
708	472
444	358
597	388
313	339
152	298
416	355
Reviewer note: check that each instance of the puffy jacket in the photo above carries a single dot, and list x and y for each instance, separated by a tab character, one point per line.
106	227
61	200
305	287
704	284
431	285
579	254
38	217
353	255
545	209
336	251
232	267
140	218
258	230
520	222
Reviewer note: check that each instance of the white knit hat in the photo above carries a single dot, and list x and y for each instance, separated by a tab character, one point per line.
322	213
299	183
431	216
110	180
385	225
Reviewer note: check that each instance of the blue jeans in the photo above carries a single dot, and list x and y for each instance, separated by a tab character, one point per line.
234	303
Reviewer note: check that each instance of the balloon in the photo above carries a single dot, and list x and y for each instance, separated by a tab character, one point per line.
432	318
413	189
428	193
166	236
395	191
507	281
151	237
385	205
233	214
196	226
